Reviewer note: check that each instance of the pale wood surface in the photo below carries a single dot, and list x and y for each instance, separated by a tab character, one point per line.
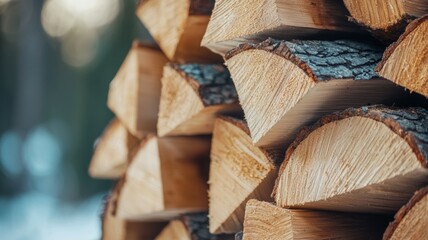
112	151
368	159
135	91
412	47
174	230
239	171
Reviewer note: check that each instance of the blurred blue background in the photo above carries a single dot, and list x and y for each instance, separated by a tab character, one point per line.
57	59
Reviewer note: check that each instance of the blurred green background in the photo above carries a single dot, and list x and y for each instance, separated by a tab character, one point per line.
57	60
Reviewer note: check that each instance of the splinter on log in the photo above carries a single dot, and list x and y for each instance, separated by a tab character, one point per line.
368	159
386	20
239	171
114	228
178	27
166	177
412	219
191	227
135	91
112	151
405	62
265	221
238	21
285	85
192	96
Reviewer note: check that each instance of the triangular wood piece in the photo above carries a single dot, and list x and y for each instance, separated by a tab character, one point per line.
386	19
114	228
135	91
285	85
193	95
368	159
166	177
405	62
239	21
239	171
178	27
412	220
265	221
191	227
112	151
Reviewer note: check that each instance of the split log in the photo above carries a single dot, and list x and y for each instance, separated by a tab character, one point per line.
386	19
369	159
265	221
405	62
178	27
112	151
192	96
412	219
167	177
239	171
285	85
114	228
239	21
135	91
191	227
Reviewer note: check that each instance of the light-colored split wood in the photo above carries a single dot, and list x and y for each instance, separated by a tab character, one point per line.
135	91
283	86
239	171
193	95
406	61
167	177
178	27
265	221
239	21
369	159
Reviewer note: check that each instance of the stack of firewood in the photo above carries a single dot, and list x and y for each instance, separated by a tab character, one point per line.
312	128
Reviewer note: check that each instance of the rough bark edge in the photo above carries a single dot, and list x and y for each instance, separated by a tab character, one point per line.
274	156
239	235
373	112
409	29
197	7
401	214
104	212
196	223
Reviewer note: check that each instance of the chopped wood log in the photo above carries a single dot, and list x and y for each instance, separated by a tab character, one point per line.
112	151
285	85
412	219
386	19
178	27
265	221
405	62
114	228
191	227
193	95
369	159
166	177
135	91
239	171
239	21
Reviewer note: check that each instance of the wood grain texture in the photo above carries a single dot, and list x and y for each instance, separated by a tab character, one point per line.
411	47
285	85
371	160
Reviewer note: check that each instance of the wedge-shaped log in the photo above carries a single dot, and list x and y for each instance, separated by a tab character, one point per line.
135	91
239	171
191	227
412	219
369	159
386	19
178	27
238	21
114	228
405	62
284	85
265	221
112	151
167	177
192	96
